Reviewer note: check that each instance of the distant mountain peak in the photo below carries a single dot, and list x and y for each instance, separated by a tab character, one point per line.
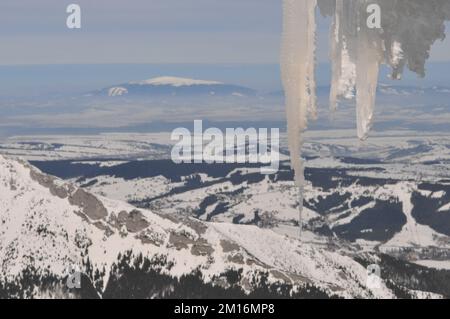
175	81
175	86
117	91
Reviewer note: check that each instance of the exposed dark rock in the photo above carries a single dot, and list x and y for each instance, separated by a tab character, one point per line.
48	181
91	206
201	248
134	221
237	259
228	246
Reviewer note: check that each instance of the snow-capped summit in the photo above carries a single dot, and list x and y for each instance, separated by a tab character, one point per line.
117	91
175	81
175	86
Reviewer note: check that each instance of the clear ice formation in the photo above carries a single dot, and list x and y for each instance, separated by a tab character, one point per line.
408	30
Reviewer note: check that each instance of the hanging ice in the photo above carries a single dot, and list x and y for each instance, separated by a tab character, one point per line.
356	54
297	68
409	28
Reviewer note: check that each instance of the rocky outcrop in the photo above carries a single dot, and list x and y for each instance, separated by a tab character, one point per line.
91	206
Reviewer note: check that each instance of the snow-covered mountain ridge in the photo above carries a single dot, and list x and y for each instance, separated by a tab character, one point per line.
175	86
49	225
175	81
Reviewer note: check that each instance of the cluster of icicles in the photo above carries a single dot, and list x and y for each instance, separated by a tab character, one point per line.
409	29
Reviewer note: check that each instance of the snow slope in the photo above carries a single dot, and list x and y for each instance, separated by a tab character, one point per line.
175	81
51	225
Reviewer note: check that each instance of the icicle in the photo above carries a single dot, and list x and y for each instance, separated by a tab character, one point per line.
343	68
357	52
311	61
336	55
355	62
369	51
367	69
297	68
397	60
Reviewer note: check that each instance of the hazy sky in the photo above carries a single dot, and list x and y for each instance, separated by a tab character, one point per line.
149	31
140	31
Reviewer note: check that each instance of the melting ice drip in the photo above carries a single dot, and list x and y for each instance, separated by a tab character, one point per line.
409	29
